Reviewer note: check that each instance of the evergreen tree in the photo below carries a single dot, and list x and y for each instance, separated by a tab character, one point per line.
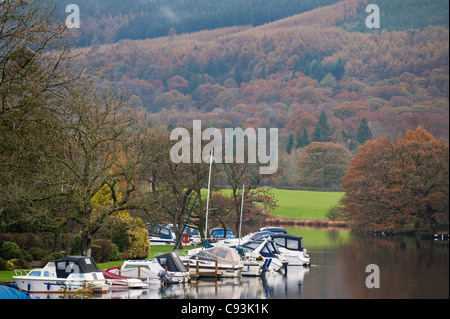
322	132
210	68
238	75
303	139
221	67
263	72
364	132
290	143
338	69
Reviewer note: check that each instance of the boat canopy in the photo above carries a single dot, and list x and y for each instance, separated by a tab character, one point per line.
223	254
74	264
220	233
161	231
172	261
279	230
268	250
287	241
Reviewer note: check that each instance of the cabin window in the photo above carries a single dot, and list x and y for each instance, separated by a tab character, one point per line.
292	244
35	273
46	274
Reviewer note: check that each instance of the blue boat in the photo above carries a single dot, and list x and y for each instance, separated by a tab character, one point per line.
161	235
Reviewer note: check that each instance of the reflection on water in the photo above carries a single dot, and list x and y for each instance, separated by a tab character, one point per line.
409	268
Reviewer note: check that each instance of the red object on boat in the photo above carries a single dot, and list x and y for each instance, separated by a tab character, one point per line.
109	275
186	239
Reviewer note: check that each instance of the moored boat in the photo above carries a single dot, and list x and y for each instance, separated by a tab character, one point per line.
69	273
291	247
121	282
149	271
217	261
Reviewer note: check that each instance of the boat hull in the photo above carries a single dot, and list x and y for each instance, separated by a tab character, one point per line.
46	285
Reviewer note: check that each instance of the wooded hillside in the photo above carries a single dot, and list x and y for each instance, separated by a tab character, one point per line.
284	74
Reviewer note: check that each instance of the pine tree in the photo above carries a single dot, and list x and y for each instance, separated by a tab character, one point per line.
290	143
338	69
237	75
210	68
221	67
364	132
322	132
303	139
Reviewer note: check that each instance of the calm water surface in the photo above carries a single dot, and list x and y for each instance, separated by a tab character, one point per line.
408	268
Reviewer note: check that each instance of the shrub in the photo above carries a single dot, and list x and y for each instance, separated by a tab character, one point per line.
102	250
115	253
3	264
18	264
7	248
38	253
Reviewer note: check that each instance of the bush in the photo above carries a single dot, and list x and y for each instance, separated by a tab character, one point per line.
38	253
102	250
115	253
7	248
334	213
24	240
18	264
3	264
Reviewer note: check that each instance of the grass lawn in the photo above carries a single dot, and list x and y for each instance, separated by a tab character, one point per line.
295	204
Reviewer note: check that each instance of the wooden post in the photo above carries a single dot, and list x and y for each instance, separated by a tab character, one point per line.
197	267
216	270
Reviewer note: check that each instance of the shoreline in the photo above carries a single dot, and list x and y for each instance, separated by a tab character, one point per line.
319	223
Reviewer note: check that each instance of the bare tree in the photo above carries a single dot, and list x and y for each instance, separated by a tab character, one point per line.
34	68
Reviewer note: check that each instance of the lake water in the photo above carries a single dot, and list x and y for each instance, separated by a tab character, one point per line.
408	268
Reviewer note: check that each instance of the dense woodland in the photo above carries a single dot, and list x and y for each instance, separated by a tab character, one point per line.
114	20
84	127
286	73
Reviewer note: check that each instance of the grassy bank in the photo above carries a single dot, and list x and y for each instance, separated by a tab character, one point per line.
295	204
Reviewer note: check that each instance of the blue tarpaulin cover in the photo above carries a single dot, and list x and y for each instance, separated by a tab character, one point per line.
12	293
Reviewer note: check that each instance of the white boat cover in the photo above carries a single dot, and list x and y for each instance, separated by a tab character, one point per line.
222	254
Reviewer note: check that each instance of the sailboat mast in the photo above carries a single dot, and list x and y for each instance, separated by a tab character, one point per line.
207	198
242	208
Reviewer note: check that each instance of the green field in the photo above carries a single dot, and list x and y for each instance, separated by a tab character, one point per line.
294	204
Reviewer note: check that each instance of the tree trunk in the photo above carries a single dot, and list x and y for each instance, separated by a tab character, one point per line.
86	245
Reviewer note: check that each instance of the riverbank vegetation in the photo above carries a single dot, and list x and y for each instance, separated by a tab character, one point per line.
85	162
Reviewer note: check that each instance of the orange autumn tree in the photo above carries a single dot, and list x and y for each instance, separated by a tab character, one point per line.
398	186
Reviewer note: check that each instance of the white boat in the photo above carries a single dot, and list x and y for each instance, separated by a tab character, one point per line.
266	248
149	271
291	248
217	261
70	273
